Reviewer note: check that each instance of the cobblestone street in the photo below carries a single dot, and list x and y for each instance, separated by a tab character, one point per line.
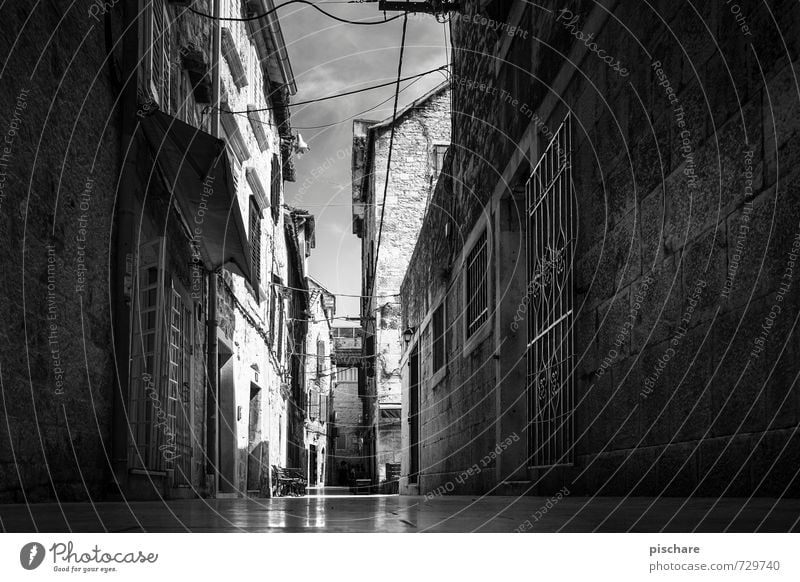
335	510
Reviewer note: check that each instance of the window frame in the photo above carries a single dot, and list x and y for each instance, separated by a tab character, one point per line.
256	257
439	373
471	341
276	179
150	45
551	178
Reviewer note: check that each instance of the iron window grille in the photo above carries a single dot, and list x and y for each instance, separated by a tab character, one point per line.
477	285
550	349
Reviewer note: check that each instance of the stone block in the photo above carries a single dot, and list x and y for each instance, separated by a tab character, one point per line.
613	330
737	387
781	123
775	464
705	260
652	229
677	468
661	305
723	468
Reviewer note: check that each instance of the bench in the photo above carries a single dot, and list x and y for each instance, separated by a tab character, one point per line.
287	481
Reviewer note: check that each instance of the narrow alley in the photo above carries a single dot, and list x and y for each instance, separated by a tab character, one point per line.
417	266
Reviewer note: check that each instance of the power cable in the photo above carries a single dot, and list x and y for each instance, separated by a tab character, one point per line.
389	155
346	93
357	114
306	2
337	294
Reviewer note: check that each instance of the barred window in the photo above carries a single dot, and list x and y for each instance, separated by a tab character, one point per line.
477	285
550	384
438	338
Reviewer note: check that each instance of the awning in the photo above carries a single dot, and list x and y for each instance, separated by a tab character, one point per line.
197	171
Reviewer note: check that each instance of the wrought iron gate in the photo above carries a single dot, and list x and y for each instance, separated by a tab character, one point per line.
550	244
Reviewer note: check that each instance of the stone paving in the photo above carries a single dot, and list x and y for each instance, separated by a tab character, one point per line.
334	510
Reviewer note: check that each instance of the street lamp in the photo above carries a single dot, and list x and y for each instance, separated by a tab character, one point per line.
408	334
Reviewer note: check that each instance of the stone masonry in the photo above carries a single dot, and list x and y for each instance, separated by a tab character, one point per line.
685	177
419	129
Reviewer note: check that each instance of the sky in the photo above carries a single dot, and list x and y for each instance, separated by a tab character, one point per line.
330	57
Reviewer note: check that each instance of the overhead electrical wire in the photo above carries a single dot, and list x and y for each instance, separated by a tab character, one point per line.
356	114
307	3
332	293
336	95
389	155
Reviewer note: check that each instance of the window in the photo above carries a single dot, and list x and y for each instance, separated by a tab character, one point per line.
157	58
439	152
279	347
323	407
320	358
313	403
341	441
438	325
275	188
146	359
477	286
179	410
233	59
159	405
254	115
273	303
255	242
550	386
276	316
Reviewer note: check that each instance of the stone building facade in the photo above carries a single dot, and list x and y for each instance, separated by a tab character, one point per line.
320	379
421	136
149	190
349	404
604	289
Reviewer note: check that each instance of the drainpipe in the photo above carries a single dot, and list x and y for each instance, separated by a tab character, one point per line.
124	266
212	409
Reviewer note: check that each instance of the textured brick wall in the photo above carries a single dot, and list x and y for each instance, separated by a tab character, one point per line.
60	161
718	419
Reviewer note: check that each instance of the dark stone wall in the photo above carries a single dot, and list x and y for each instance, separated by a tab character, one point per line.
682	215
60	165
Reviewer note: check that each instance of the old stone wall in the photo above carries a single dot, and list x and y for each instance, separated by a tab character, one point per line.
320	374
685	288
59	161
411	182
412	178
